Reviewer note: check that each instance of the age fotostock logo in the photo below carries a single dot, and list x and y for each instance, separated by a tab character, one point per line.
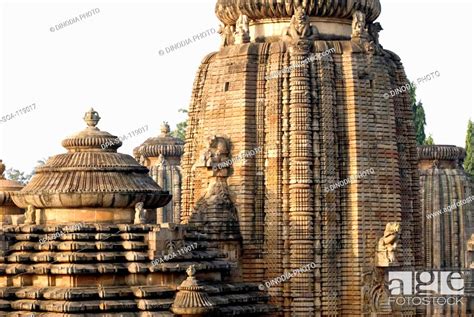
425	287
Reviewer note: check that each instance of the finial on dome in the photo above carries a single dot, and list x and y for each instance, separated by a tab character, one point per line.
192	298
191	270
165	128
92	118
2	170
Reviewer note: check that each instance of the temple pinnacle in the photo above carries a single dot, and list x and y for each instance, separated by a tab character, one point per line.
165	128
92	118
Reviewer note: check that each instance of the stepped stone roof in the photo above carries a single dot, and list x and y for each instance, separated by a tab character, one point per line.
441	152
228	11
91	174
164	144
7	187
99	258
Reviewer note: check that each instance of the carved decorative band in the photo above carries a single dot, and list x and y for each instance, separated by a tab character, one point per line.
441	152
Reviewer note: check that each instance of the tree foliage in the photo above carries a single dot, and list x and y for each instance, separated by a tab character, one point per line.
22	177
16	175
429	140
419	117
469	161
180	131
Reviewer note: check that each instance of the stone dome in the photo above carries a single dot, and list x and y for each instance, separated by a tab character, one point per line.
91	175
7	186
164	144
228	11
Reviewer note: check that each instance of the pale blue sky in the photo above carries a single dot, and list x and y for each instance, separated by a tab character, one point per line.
111	61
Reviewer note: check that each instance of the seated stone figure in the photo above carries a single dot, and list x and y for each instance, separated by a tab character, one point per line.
300	28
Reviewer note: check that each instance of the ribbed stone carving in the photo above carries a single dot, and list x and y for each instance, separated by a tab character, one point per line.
228	11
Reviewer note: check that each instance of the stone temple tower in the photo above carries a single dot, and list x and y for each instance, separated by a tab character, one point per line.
162	155
444	183
308	84
447	197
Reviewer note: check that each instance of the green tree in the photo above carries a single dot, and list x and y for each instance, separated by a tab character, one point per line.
419	116
469	161
16	175
180	131
429	140
22	177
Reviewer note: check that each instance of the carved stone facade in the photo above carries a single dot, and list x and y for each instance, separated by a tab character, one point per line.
448	216
320	121
162	156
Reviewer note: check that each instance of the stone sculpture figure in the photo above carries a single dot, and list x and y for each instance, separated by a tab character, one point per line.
373	46
227	35
140	214
470	249
300	28
374	30
387	245
30	215
242	33
359	22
